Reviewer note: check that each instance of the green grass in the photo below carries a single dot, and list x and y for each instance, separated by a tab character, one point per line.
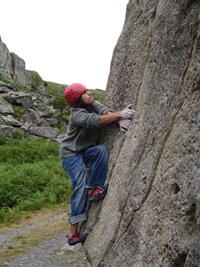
98	94
56	89
19	111
31	177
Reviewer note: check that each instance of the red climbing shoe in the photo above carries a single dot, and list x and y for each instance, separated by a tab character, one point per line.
77	238
97	193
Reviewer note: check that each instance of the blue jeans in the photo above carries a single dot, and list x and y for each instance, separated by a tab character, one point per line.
96	159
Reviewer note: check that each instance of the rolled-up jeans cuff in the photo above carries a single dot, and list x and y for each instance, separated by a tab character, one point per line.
93	186
89	186
77	219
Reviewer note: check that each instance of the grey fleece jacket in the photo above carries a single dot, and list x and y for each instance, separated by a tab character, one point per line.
83	129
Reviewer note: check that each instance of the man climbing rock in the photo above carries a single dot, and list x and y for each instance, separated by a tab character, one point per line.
80	150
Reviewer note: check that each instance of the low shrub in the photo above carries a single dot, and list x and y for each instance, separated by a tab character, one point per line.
31	177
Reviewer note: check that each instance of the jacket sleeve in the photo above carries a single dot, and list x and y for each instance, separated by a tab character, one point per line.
85	119
100	108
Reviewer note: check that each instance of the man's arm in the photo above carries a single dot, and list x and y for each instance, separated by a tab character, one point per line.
109	118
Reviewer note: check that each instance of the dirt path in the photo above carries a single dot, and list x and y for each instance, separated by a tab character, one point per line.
40	241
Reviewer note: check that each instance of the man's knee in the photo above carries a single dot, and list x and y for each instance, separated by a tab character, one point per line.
103	150
102	147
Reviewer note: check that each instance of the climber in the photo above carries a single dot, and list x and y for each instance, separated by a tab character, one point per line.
79	150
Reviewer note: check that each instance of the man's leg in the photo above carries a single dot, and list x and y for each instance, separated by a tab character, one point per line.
97	159
76	170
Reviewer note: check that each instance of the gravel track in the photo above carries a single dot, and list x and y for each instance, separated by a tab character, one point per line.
49	253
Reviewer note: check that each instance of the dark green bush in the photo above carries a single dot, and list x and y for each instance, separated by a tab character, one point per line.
27	151
36	79
31	177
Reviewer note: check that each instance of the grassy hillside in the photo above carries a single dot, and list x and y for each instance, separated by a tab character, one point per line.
56	89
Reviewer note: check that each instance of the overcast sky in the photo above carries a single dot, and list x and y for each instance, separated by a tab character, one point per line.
65	41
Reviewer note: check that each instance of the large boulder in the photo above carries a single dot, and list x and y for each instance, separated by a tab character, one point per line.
21	98
46	132
8	131
11	121
5	107
151	214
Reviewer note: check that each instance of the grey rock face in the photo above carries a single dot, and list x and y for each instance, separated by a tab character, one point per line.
18	68
151	214
5	61
13	68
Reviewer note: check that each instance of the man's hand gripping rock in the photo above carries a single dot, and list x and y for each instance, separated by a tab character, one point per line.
126	117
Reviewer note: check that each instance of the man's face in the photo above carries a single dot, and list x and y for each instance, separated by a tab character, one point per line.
87	97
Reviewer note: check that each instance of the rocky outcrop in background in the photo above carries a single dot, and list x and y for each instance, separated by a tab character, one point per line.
151	214
26	93
12	67
37	120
